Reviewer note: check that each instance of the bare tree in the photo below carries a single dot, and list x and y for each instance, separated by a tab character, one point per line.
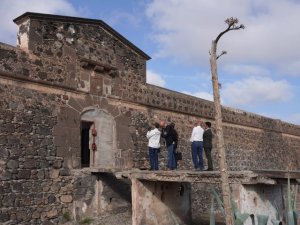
232	25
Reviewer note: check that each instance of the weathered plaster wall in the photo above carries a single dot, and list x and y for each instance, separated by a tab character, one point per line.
161	203
262	200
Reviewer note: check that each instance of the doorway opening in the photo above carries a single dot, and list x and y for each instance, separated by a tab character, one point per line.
98	139
85	143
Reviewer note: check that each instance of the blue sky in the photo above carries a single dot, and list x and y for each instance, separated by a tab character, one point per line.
260	73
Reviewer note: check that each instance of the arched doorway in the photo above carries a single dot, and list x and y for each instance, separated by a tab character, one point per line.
103	142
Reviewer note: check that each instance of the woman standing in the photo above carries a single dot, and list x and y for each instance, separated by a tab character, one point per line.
154	145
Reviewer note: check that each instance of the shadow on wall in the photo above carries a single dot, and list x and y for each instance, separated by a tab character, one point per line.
100	195
161	202
118	187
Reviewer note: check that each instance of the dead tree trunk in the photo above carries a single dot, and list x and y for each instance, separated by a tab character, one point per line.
218	120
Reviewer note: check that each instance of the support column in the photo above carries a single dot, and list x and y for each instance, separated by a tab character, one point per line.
160	202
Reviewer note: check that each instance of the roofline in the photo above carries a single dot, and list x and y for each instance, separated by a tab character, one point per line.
43	16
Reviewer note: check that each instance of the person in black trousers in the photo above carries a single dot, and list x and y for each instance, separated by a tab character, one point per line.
207	145
170	135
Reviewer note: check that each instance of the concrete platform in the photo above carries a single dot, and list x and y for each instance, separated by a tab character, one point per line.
191	176
242	177
164	196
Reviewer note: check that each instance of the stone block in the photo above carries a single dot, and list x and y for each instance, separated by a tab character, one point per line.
12	164
22	215
55	187
43	130
68	117
66	198
57	164
43	164
75	104
67	137
51	199
16	187
29	164
88	101
52	213
4	216
40	174
67	188
25	128
8	200
6	175
3	140
113	110
96	86
64	172
54	173
63	151
36	215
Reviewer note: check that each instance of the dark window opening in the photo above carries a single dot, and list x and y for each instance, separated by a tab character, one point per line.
85	143
181	190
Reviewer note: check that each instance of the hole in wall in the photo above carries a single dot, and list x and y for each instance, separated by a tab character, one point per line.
255	201
181	190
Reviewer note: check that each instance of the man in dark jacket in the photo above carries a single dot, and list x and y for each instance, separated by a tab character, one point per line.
170	135
207	144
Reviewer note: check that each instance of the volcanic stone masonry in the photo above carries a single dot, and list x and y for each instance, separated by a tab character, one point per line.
69	77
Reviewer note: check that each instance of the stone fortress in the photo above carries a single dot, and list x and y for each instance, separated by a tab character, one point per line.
75	108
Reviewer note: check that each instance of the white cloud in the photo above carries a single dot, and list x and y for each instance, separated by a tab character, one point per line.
118	17
257	55
246	70
256	91
10	9
185	29
201	94
154	78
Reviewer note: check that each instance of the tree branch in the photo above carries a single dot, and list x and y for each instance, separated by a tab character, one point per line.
221	34
232	25
222	53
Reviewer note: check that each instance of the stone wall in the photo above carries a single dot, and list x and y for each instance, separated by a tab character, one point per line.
34	185
67	41
65	67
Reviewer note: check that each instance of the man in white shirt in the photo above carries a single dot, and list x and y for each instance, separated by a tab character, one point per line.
197	146
154	145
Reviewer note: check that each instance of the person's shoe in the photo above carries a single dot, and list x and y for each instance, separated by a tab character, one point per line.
209	169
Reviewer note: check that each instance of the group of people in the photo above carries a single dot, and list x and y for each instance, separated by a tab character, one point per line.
201	138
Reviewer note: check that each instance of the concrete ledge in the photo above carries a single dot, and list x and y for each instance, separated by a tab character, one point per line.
292	174
243	177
